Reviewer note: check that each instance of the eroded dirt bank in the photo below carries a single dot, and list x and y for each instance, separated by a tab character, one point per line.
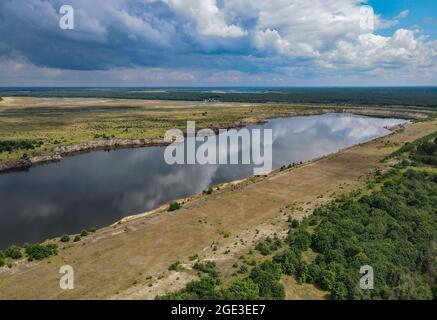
108	144
131	259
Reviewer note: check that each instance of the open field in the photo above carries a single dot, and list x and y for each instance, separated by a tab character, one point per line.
130	259
421	97
31	128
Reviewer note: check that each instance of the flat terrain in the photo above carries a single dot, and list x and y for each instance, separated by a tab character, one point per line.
130	259
50	123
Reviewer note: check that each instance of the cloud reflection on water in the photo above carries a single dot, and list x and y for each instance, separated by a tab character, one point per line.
98	188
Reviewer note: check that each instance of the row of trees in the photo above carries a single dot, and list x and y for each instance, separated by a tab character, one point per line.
262	283
32	251
9	145
393	229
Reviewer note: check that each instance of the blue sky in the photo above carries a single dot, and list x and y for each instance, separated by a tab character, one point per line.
218	43
422	13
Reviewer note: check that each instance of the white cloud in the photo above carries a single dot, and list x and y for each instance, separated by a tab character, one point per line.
329	31
403	14
211	21
229	39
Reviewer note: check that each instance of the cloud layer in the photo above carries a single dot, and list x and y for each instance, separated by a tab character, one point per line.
222	41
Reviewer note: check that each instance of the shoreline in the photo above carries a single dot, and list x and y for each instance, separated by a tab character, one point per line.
155	240
115	144
162	208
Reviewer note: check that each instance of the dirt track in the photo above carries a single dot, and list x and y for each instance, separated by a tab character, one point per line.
116	261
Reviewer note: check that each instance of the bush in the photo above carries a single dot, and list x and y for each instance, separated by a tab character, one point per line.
208	191
9	146
242	289
299	239
65	238
243	269
269	245
202	289
83	233
2	259
77	238
206	267
174	206
175	266
40	251
13	252
193	257
288	260
267	276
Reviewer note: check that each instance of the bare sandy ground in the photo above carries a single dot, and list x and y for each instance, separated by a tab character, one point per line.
130	260
32	102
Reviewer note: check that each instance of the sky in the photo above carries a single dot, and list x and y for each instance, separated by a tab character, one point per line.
219	43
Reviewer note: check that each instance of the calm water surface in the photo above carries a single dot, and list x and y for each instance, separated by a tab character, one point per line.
98	188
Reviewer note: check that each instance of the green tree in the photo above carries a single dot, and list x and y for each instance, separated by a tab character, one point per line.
242	289
13	252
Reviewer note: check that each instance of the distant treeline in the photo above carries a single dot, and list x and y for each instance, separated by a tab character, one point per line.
9	146
424	97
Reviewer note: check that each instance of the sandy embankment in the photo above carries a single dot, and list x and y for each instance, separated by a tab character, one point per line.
130	259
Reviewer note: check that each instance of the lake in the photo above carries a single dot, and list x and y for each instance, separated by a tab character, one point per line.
96	189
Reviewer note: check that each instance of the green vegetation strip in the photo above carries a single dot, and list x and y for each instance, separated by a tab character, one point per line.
393	229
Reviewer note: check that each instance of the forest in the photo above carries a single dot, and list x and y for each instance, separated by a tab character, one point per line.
391	227
424	97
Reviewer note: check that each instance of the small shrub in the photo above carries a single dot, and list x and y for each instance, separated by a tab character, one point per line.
207	267
174	206
65	238
84	233
208	191
13	252
77	238
2	259
243	269
269	245
175	266
194	257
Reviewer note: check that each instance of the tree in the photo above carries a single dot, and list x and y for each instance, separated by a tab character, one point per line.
13	252
288	260
242	289
267	275
39	251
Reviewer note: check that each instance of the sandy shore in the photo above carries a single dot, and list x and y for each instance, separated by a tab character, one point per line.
130	259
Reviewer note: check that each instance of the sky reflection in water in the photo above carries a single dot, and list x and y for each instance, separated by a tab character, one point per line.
98	188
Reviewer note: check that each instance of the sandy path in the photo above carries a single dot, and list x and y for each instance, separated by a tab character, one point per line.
117	261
